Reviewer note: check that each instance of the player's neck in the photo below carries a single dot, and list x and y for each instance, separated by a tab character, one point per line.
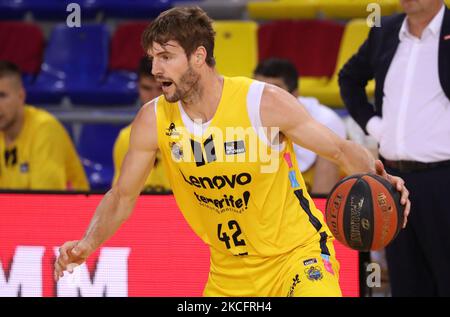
203	102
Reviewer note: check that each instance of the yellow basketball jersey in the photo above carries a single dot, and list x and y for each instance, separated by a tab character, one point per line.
42	156
241	194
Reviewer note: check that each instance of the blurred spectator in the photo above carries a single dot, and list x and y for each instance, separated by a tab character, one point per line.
320	175
409	57
149	89
36	151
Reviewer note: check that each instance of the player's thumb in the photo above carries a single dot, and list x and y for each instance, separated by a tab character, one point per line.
379	168
80	250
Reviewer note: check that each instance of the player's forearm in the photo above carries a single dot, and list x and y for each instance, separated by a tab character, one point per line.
354	158
112	211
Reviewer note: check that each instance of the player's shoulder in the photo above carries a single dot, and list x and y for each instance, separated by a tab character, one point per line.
144	126
143	130
40	120
147	113
275	97
38	115
151	105
277	106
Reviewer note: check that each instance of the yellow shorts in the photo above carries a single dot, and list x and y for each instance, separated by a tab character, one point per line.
310	270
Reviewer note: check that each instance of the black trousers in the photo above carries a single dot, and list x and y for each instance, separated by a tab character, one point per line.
419	258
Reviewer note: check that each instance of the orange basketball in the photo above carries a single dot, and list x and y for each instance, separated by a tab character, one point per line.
363	212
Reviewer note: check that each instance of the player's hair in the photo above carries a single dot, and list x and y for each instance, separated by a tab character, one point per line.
279	68
190	27
145	67
9	69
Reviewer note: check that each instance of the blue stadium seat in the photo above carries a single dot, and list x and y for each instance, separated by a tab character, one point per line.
27	79
95	148
56	9
75	63
134	8
46	9
12	9
118	88
120	85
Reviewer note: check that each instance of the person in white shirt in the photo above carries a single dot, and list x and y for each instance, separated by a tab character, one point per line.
320	175
409	57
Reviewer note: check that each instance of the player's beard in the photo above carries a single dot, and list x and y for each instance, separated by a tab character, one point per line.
187	85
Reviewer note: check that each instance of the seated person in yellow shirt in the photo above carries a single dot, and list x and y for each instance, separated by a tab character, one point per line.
320	175
148	90
36	152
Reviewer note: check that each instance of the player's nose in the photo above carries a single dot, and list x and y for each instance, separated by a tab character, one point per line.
156	68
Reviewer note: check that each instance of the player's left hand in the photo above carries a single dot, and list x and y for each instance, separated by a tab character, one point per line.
399	184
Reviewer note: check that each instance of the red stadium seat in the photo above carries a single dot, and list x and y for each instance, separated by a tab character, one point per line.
312	45
126	50
23	44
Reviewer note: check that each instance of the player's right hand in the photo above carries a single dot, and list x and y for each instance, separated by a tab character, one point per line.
399	184
71	254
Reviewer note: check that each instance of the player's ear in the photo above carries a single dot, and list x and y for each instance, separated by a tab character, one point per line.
199	56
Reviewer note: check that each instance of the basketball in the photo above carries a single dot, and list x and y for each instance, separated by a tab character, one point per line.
363	212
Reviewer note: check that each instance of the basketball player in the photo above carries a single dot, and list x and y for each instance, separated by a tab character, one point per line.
36	152
240	191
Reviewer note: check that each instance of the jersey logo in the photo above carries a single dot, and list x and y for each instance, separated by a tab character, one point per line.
309	262
210	151
24	168
11	157
314	273
218	181
295	282
177	150
171	130
225	202
234	147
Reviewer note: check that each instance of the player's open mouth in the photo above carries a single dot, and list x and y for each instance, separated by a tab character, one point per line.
166	84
